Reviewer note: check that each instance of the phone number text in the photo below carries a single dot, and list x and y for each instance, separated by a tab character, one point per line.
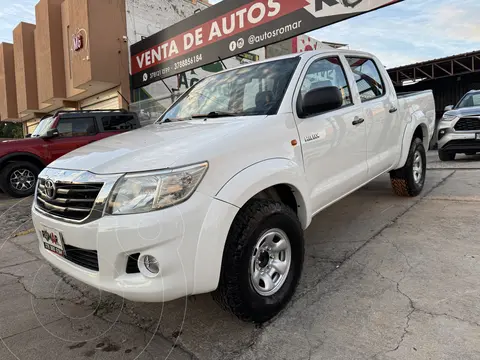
187	62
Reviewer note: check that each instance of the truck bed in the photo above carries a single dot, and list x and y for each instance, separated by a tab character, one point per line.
401	95
418	101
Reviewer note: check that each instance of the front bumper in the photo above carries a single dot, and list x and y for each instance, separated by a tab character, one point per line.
456	141
171	235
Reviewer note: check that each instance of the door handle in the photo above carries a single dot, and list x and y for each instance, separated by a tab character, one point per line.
392	110
358	121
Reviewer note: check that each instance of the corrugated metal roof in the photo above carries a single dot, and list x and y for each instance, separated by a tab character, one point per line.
439	60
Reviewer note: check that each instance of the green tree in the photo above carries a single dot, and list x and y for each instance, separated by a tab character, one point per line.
11	130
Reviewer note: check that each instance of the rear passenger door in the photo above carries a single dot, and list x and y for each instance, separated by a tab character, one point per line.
379	104
73	132
333	142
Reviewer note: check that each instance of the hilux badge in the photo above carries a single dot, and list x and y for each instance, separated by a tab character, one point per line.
312	137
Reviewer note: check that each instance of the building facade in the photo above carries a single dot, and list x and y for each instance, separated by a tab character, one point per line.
76	56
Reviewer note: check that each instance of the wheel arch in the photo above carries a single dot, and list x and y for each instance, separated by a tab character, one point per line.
413	130
276	179
22	156
279	174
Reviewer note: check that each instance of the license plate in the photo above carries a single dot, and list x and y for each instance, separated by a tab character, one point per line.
52	240
477	136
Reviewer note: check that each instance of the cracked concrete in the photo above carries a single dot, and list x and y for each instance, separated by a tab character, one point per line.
384	278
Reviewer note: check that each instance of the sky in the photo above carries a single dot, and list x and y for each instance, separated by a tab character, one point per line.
411	31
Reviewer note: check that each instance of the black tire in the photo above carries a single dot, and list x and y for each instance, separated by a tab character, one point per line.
403	180
236	292
446	156
8	171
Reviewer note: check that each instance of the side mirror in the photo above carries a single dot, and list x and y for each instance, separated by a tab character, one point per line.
320	100
449	107
28	136
51	134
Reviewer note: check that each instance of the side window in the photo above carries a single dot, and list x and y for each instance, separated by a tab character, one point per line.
327	72
369	82
76	127
118	122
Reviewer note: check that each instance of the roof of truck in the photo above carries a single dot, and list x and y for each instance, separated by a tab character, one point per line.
306	54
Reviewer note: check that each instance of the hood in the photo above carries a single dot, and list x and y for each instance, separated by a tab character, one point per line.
469	111
18	145
18	141
154	147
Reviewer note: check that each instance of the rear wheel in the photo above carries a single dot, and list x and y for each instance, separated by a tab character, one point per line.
446	156
410	179
262	261
18	179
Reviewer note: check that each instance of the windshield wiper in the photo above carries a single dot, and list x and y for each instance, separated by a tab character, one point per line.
214	114
167	120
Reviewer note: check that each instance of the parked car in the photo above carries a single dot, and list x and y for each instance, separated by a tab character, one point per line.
22	160
216	195
459	128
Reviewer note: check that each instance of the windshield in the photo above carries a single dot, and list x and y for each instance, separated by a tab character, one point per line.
469	100
252	90
43	127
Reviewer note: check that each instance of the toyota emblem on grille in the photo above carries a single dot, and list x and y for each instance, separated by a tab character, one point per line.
50	189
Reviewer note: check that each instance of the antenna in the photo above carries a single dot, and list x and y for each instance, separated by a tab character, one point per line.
219	58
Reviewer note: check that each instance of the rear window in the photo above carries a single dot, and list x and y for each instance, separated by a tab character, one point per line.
118	122
368	78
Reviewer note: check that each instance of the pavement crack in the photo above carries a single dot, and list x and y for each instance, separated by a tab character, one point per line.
449	316
310	348
410	303
19	279
43	325
17	264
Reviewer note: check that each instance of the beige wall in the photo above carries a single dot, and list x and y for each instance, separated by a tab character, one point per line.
68	32
8	95
49	51
102	62
25	67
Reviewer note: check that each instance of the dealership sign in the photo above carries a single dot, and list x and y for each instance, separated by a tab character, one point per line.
234	27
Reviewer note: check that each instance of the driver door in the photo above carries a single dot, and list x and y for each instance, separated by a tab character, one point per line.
73	133
333	142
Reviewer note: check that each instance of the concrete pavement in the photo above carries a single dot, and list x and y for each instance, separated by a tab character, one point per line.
384	278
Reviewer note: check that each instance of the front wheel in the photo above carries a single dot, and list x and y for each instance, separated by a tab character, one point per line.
18	179
262	261
410	179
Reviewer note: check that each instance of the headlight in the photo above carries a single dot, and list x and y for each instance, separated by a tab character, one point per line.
143	192
448	117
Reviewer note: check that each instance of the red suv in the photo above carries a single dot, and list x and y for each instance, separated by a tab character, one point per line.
22	160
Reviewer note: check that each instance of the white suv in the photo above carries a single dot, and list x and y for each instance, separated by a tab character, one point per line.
459	128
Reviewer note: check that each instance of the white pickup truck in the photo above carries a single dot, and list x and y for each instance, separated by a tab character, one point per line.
216	195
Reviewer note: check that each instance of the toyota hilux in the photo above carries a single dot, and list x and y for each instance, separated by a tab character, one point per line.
216	195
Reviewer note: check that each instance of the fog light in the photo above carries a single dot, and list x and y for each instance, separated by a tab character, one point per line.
149	266
441	133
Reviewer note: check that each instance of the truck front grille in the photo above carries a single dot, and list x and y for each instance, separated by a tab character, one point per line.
468	124
69	201
86	258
